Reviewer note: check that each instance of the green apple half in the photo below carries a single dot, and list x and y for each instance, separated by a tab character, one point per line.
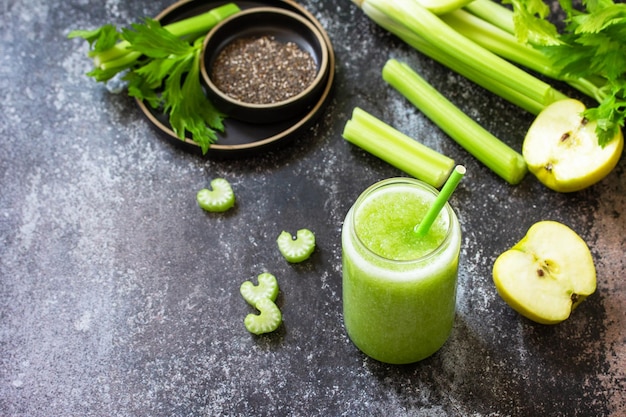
547	274
561	148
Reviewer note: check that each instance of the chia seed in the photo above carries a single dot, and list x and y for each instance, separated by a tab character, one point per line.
262	70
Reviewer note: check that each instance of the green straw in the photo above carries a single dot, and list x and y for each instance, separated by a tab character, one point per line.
445	193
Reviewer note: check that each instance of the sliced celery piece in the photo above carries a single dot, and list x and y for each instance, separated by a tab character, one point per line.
268	319
297	250
220	198
266	288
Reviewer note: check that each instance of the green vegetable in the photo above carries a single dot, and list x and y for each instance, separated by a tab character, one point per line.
161	65
268	319
396	148
219	199
498	41
483	79
432	36
491	25
443	6
267	288
589	53
482	42
491	35
297	250
496	155
493	13
592	46
262	298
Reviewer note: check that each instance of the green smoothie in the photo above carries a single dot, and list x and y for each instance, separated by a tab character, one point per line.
399	290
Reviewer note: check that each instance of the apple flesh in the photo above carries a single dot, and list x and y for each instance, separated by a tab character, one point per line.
561	148
547	274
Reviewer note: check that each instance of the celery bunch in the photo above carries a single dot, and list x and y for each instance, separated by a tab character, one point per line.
161	65
491	45
589	53
429	34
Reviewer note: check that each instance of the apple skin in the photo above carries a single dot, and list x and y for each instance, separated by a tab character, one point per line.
547	274
561	148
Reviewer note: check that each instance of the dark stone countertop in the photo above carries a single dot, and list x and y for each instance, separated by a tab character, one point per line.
119	296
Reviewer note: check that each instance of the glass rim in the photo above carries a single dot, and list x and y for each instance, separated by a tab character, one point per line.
397	181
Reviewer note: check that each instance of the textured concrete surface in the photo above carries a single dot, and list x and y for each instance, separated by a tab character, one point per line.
119	296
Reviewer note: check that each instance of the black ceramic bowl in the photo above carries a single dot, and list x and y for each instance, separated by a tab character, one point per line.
239	138
278	25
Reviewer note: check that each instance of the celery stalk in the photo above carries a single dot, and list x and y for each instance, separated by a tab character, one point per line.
483	79
122	54
491	25
195	25
494	13
499	41
433	30
116	52
496	155
123	61
396	148
443	6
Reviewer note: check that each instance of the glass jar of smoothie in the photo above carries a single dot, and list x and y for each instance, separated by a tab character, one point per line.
399	289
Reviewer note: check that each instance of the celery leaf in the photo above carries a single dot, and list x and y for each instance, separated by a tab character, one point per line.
610	113
531	25
101	39
153	41
170	80
591	45
161	67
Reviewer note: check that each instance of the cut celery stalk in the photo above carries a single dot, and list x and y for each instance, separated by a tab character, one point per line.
493	153
219	199
267	288
297	250
396	148
262	298
268	319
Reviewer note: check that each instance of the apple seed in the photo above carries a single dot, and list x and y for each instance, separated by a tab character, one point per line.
541	273
565	136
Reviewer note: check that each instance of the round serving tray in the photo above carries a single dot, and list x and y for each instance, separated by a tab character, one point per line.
241	138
